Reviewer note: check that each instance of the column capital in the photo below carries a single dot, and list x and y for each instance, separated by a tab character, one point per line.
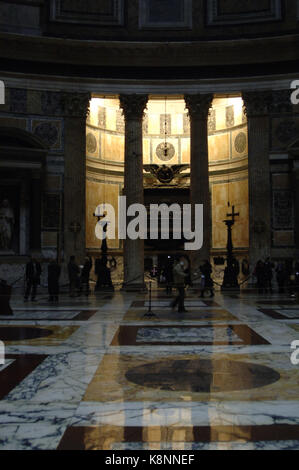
199	105
76	104
257	103
281	101
133	105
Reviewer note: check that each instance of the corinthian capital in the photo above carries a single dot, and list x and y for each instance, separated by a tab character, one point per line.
133	106
257	103
199	105
76	104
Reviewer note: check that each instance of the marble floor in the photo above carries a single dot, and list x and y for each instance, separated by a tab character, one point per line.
99	373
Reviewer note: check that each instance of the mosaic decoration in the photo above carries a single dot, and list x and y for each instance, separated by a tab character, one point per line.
241	142
145	124
230	116
102	117
212	120
91	143
186	124
48	132
120	121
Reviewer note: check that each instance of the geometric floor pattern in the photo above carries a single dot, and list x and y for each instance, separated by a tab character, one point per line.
98	373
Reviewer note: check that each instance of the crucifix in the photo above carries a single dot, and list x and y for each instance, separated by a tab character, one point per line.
104	224
230	279
101	269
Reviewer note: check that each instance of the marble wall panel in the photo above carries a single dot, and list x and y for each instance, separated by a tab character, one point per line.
237	193
98	192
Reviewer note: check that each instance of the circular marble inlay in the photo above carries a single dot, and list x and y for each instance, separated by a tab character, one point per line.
202	375
240	142
48	132
165	151
19	333
91	143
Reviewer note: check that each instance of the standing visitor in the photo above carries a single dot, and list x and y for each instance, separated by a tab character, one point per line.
179	276
32	277
73	272
53	280
207	281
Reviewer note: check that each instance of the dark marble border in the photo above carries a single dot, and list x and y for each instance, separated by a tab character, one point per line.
95	437
84	315
141	303
126	336
270	312
14	373
278	302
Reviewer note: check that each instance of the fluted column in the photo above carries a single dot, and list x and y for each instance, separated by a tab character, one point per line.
257	105
133	107
76	109
198	108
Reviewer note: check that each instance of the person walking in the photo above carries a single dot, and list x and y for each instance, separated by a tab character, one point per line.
207	281
32	277
73	272
179	276
53	280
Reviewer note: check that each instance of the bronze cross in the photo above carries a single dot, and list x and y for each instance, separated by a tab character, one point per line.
233	214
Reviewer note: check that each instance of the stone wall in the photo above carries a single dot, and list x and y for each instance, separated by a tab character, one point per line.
144	19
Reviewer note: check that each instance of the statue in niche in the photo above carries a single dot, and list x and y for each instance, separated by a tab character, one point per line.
7	221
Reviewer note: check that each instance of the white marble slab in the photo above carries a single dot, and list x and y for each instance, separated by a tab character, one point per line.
186	335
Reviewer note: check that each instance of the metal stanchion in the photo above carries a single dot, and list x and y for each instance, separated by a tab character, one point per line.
149	312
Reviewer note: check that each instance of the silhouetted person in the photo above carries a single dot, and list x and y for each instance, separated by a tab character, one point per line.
260	274
84	278
5	293
167	273
53	280
73	271
179	276
103	274
281	277
268	266
207	282
33	273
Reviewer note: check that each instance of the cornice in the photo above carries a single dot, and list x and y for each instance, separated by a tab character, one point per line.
153	54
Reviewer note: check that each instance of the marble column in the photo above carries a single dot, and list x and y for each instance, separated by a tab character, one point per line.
76	109
257	105
133	107
198	106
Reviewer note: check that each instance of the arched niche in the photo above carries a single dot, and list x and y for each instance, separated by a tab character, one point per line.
22	159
